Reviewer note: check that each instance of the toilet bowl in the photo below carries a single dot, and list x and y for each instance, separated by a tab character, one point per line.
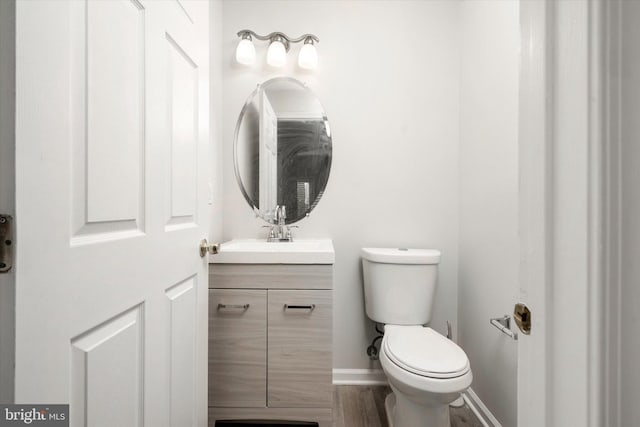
426	372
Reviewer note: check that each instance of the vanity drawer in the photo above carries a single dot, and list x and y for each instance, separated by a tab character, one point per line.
300	348
237	347
270	276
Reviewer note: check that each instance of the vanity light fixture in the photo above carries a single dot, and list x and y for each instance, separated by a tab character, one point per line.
279	45
308	56
246	51
277	52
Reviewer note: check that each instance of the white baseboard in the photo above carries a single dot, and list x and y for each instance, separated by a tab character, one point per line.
377	377
482	412
359	377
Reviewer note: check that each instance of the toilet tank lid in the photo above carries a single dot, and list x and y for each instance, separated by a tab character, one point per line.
401	255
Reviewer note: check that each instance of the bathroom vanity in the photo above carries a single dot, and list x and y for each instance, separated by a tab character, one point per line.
270	331
270	301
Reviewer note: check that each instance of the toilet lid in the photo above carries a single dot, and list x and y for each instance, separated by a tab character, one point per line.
424	352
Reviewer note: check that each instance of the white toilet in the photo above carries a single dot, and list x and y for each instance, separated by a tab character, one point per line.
426	370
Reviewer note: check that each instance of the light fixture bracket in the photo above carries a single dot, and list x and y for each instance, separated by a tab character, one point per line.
281	37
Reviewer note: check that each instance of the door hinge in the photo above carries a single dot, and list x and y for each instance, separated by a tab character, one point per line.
6	243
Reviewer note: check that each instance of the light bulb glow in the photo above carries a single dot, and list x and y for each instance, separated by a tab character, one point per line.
276	54
246	52
308	57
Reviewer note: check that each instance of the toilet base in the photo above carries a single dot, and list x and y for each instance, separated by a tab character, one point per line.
389	407
412	415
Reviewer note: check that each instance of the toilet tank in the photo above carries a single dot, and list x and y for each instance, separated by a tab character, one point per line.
400	284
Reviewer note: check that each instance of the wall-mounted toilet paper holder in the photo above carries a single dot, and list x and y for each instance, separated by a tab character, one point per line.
504	325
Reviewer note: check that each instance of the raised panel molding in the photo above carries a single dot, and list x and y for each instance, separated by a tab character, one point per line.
109	357
182	351
185	8
107	74
183	121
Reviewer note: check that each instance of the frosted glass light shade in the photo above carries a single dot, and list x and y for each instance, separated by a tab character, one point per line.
246	52
276	54
308	57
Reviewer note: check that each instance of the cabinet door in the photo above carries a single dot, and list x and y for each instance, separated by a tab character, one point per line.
237	348
299	349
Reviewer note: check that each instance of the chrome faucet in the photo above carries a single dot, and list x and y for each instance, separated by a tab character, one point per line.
280	232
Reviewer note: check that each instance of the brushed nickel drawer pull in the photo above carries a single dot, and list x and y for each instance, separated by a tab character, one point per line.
242	306
309	307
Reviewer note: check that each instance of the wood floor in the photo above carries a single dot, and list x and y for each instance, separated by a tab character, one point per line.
363	406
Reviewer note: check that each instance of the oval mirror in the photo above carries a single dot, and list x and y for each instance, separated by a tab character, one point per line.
282	149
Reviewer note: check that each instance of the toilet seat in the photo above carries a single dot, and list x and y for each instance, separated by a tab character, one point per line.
422	351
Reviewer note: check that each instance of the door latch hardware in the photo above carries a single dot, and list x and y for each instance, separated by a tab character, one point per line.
206	247
522	315
6	243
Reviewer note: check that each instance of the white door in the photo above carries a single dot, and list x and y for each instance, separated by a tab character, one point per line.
562	126
268	157
111	139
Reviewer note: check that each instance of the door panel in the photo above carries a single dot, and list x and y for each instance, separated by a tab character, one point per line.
183	111
115	47
182	351
106	358
111	309
107	114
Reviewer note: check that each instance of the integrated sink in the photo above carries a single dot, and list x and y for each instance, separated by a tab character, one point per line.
254	251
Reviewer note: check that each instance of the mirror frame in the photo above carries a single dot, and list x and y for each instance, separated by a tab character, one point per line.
245	107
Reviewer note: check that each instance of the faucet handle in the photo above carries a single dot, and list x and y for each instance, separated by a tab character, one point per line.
289	235
272	232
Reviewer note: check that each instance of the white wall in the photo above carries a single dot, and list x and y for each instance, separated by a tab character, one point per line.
388	78
488	257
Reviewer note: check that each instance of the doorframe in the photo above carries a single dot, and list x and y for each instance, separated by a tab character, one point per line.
7	191
612	212
560	365
538	228
534	209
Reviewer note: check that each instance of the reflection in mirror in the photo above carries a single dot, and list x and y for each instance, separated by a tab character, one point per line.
282	149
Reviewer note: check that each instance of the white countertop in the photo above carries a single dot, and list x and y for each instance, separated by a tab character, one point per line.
259	251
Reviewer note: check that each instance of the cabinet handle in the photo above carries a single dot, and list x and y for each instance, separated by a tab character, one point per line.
242	306
309	307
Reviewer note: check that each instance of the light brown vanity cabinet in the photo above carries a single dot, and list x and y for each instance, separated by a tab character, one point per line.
237	343
270	342
299	349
